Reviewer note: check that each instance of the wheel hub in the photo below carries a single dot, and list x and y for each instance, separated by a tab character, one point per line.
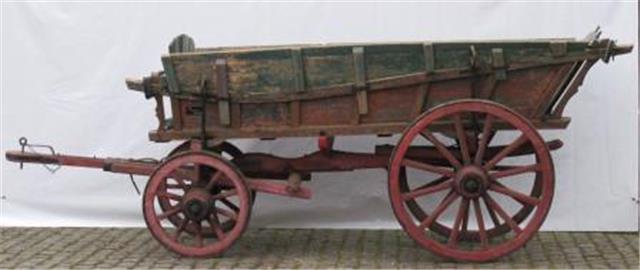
197	204
471	181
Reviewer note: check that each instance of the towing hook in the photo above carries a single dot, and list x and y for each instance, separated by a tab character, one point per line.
23	142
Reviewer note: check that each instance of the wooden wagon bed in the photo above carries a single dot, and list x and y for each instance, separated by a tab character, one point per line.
340	89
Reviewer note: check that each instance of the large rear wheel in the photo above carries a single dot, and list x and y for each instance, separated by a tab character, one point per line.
482	204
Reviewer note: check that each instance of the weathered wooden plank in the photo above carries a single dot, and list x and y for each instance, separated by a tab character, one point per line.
259	71
328	67
294	113
170	74
326	130
383	61
558	48
265	115
390	106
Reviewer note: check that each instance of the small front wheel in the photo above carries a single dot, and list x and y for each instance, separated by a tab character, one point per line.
213	199
225	150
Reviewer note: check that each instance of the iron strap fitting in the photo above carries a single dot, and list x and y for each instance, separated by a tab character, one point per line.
24	143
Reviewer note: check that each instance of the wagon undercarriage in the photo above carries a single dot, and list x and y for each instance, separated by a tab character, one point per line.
193	179
265	172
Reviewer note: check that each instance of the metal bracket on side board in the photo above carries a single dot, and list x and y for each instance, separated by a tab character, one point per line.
222	86
499	64
300	84
360	80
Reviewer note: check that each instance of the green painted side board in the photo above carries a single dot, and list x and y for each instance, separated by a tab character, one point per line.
264	70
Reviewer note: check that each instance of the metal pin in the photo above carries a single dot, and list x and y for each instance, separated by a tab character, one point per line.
134	184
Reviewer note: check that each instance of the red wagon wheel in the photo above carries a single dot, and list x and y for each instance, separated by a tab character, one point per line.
476	182
181	185
199	209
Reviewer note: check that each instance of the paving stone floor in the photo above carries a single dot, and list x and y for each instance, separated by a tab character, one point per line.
85	248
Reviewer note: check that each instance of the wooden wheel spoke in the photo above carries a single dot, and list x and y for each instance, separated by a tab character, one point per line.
427	190
441	148
174	186
170	196
451	196
484	240
462	212
516	195
180	229
437	181
484	141
197	175
506	151
223	195
462	139
465	220
226	213
498	168
215	226
492	214
498	209
213	180
515	170
198	234
427	167
168	213
231	205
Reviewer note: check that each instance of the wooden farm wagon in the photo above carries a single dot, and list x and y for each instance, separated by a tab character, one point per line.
468	113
